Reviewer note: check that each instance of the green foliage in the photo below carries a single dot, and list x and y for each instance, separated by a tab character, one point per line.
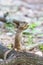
41	47
30	39
9	46
32	26
10	27
26	33
29	31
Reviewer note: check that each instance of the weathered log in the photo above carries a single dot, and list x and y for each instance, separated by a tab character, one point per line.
2	51
21	58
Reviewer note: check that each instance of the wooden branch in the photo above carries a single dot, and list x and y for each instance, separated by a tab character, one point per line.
2	51
22	58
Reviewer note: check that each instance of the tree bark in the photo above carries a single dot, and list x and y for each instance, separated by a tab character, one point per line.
2	51
20	58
